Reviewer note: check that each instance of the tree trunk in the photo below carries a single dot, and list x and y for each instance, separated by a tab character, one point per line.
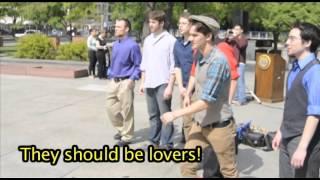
169	15
275	42
13	30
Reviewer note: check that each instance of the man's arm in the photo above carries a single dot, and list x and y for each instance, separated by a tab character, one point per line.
178	74
136	58
141	88
193	108
168	91
313	115
299	155
177	69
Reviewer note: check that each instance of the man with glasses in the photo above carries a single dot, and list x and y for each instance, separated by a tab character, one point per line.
299	135
183	61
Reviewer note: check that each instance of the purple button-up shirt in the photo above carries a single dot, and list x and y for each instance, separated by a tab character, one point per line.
126	59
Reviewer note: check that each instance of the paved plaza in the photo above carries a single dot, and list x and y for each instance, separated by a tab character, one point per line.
56	113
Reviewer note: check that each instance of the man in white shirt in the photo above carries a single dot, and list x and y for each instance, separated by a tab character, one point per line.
157	79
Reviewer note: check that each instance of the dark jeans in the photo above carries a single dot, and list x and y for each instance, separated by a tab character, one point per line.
92	62
156	107
211	166
311	165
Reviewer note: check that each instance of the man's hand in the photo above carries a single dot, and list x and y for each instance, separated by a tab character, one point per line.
298	158
167	117
276	140
186	101
183	91
167	93
141	89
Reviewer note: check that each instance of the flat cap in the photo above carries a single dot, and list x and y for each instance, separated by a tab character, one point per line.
210	22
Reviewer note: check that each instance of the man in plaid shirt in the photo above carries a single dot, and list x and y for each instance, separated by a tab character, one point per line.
214	124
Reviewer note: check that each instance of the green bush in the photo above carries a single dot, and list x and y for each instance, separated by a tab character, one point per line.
64	52
73	51
35	46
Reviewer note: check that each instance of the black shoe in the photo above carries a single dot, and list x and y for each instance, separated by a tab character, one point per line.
122	143
117	136
146	146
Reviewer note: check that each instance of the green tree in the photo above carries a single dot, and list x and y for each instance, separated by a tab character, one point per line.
130	10
278	17
137	13
11	9
37	13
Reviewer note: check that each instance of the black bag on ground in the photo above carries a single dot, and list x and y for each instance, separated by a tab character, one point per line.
268	138
254	139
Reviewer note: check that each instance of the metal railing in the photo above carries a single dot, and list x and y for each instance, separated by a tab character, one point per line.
260	35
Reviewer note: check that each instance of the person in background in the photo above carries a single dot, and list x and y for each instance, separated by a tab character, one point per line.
92	49
226	47
240	43
103	54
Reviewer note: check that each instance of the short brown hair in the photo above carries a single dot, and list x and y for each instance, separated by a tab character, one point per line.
185	15
202	28
126	22
157	15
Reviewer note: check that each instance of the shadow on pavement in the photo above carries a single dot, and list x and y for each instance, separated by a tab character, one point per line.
248	161
140	135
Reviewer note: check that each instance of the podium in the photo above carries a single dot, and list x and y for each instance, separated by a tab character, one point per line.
269	77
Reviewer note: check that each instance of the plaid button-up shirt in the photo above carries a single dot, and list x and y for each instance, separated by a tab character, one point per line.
218	73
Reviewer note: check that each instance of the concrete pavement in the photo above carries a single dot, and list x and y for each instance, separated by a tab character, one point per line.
58	113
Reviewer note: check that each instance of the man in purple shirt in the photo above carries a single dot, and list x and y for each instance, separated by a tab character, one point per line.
123	71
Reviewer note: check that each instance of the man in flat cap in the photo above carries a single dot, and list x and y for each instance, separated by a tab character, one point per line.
214	124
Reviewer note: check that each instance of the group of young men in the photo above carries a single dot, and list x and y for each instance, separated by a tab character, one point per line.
204	73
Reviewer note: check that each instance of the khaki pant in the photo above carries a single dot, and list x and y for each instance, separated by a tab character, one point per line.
222	141
120	108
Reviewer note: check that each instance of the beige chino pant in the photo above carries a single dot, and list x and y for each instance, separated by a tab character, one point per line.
120	109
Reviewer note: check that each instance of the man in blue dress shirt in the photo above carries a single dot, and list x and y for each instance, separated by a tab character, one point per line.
299	136
123	72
